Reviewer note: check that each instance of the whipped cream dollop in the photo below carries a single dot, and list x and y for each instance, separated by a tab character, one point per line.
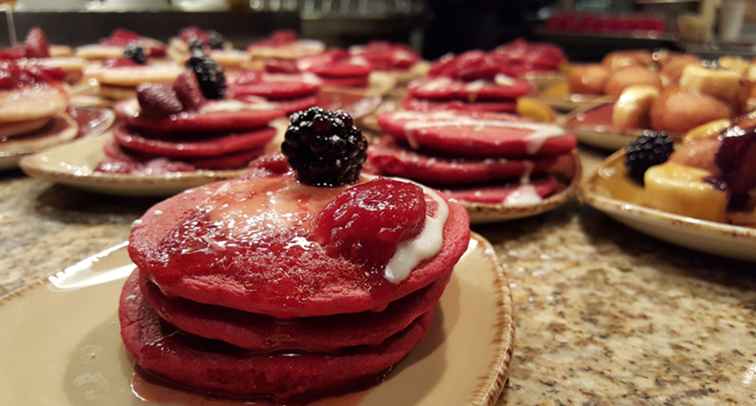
425	245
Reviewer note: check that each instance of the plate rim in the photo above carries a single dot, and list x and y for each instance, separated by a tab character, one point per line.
593	198
488	390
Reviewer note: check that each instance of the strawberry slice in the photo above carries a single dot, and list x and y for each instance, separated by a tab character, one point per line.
36	44
350	227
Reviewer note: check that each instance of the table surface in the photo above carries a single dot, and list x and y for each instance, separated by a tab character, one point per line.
604	315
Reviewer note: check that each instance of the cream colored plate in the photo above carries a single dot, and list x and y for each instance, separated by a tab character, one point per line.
62	341
74	164
490	213
715	238
599	136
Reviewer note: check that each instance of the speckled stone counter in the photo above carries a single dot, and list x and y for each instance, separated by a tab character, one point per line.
605	315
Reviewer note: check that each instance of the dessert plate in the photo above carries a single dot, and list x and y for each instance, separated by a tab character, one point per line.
74	164
490	213
90	120
463	360
592	126
573	101
715	238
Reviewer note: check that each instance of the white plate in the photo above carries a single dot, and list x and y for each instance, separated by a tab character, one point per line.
61	343
707	236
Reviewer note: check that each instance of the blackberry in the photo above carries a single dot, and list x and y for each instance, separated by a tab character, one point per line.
214	40
196	48
651	148
324	147
135	53
210	76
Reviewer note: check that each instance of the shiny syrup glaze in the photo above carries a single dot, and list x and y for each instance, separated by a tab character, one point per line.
259	236
600	116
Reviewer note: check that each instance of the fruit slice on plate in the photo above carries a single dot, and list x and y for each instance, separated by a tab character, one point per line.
481	341
74	165
609	190
484	135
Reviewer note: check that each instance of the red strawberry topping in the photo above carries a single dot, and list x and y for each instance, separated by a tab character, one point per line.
367	222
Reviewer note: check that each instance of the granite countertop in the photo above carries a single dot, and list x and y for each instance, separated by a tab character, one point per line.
604	315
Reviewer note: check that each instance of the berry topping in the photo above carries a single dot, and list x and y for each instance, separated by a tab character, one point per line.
366	222
214	40
188	91
120	37
324	147
269	165
158	100
36	44
210	76
736	159
135	53
651	148
15	75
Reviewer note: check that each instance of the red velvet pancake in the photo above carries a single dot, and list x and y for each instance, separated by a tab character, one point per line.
359	81
216	368
411	103
389	158
294	105
137	161
444	88
196	122
275	90
499	194
486	135
193	147
313	334
247	245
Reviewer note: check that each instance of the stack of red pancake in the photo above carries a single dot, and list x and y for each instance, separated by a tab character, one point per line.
521	57
470	82
175	128
493	158
289	92
258	287
336	68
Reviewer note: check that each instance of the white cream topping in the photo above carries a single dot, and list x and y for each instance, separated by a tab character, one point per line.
232	105
503	80
525	195
425	245
540	133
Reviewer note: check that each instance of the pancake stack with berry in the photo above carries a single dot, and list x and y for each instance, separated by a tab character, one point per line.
119	76
36	49
213	43
284	45
113	46
483	158
285	284
397	60
289	92
469	82
33	113
188	125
